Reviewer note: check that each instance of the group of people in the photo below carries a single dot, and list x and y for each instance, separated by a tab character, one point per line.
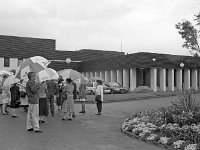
37	98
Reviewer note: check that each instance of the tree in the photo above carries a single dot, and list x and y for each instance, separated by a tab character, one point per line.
190	32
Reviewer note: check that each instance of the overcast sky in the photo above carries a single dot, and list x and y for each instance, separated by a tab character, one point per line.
127	25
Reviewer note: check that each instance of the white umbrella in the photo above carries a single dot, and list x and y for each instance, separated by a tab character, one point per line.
70	73
5	72
35	64
10	80
52	73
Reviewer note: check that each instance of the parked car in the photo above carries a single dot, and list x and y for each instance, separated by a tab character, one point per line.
106	89
90	89
116	88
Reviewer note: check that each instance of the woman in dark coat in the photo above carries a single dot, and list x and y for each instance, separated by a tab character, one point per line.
15	99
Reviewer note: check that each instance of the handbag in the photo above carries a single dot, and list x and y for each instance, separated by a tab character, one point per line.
98	98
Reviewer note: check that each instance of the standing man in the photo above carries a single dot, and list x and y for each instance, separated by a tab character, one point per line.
51	91
32	90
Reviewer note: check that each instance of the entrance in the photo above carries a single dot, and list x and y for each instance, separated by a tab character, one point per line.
143	76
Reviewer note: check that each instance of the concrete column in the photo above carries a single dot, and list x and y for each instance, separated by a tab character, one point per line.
186	79
84	74
171	79
87	74
119	76
163	79
91	74
199	78
107	76
194	79
126	78
1	63
154	79
113	74
102	75
179	79
97	74
132	79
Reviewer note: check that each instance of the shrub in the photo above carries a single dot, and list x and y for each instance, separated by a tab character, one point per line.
186	102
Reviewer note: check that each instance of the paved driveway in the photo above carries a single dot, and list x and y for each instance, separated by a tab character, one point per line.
85	132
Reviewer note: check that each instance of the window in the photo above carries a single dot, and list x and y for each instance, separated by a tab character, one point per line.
19	61
6	62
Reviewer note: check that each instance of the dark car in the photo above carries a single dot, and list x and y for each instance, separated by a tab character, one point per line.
116	88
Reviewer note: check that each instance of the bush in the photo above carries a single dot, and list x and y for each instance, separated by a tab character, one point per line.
185	102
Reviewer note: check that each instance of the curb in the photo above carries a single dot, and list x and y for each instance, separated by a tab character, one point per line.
128	99
147	141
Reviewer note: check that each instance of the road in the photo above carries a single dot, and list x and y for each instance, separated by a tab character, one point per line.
86	132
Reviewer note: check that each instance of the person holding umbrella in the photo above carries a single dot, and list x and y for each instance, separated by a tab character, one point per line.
32	89
5	96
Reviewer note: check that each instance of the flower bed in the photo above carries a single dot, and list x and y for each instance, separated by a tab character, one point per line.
173	127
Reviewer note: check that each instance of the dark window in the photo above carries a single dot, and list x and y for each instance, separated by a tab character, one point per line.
6	62
19	61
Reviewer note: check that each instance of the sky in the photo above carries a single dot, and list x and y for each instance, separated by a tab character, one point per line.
115	25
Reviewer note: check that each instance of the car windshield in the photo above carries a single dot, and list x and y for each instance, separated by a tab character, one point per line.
114	84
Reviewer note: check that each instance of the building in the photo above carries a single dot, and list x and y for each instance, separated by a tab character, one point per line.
157	71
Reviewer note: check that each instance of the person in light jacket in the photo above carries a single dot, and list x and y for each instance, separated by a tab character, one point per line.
99	92
32	90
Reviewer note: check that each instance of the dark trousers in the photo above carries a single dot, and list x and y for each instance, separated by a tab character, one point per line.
51	102
99	106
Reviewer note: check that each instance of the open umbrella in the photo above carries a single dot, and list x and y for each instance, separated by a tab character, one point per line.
70	73
52	73
31	65
5	72
10	80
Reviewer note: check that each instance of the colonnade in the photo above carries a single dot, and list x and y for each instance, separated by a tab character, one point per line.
164	79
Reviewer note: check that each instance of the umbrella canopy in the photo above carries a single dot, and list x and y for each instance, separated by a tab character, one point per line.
31	65
10	80
5	72
52	73
70	73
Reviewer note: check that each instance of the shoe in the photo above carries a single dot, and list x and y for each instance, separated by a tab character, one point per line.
31	129
5	113
70	119
14	116
98	114
82	112
63	119
38	131
41	121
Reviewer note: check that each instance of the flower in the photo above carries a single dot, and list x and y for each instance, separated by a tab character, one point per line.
178	143
185	127
191	147
163	140
152	137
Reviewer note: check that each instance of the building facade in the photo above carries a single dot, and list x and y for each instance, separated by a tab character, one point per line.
157	71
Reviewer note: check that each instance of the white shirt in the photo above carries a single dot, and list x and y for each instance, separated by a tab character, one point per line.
99	91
